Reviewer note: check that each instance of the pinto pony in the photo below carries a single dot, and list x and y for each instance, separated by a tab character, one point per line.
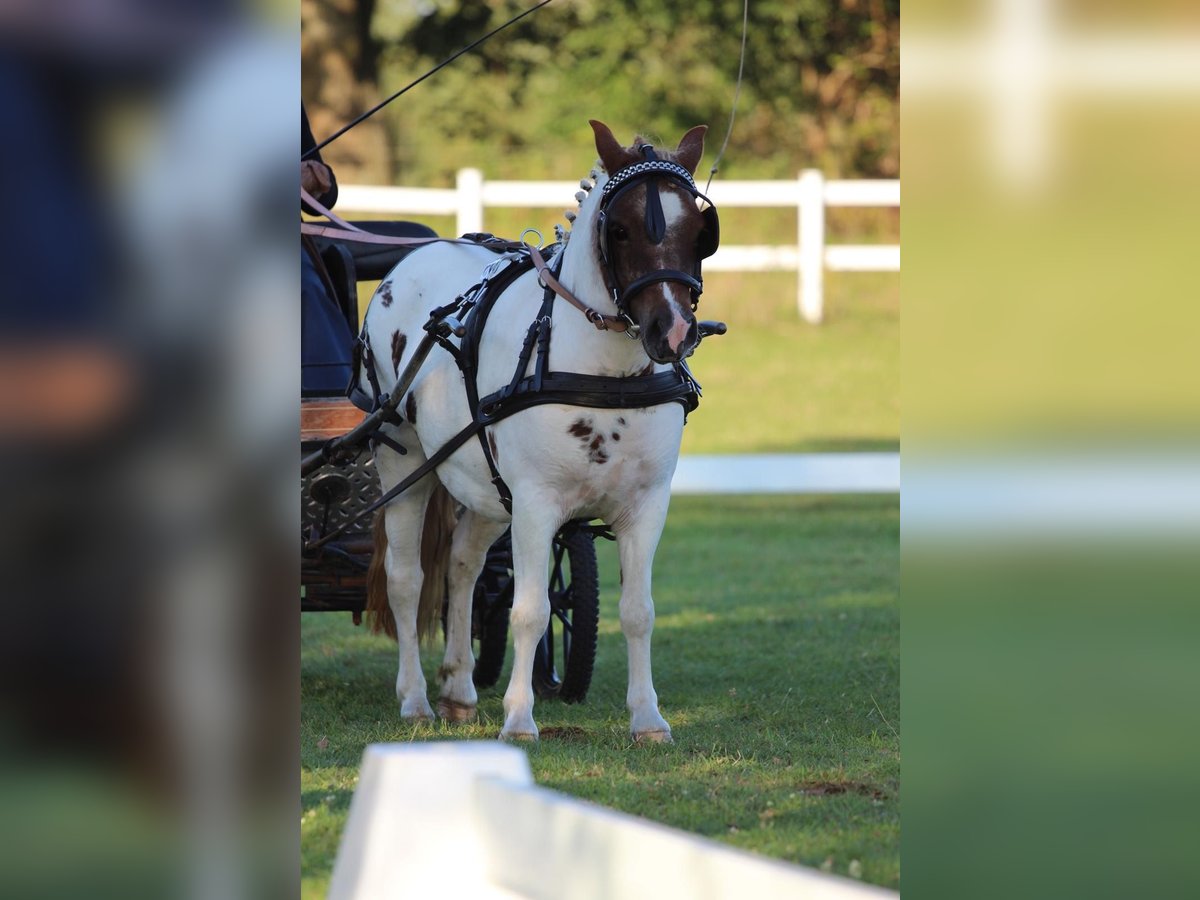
633	256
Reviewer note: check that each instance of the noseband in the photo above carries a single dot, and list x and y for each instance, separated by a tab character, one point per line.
649	171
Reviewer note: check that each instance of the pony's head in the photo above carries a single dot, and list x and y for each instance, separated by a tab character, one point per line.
651	235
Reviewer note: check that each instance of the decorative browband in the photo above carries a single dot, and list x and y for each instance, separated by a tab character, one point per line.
648	167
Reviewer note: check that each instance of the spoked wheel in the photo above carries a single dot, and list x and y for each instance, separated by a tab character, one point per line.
563	660
489	613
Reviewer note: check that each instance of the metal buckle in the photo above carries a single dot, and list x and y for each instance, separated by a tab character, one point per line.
540	239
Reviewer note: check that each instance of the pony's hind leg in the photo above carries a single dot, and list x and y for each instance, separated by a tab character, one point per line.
472	538
637	539
533	528
402	520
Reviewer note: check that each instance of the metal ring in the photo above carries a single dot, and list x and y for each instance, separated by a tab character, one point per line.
532	231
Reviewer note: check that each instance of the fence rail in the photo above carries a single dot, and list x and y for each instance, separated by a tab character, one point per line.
809	194
465	818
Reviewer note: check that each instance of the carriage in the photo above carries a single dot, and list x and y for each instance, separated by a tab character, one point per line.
333	493
580	397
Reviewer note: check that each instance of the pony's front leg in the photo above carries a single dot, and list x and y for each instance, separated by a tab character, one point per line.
533	528
472	538
637	539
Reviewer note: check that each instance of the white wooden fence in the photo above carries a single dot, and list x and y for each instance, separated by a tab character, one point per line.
809	195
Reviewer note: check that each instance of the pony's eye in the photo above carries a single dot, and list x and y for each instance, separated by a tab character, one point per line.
619	233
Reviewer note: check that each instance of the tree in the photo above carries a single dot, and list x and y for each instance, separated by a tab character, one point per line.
821	83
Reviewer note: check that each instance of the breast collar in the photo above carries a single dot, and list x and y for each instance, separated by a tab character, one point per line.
675	385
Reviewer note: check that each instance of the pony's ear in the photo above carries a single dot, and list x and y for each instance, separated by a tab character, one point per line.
691	148
612	154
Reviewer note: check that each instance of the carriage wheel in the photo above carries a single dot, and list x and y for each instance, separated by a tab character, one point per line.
563	660
489	613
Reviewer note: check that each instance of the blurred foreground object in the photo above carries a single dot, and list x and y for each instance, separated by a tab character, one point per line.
1051	448
466	819
148	169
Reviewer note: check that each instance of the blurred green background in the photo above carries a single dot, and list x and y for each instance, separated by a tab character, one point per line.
820	88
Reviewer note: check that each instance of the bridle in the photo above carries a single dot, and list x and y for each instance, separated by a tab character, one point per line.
649	170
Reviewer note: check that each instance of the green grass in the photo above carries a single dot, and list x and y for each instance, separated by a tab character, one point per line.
776	663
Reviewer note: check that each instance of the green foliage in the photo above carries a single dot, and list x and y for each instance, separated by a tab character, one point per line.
820	89
776	662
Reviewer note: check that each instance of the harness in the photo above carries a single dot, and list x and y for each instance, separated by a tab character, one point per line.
676	385
466	316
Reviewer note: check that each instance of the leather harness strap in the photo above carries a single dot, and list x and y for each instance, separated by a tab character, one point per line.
600	320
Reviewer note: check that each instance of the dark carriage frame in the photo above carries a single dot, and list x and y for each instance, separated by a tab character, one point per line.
333	576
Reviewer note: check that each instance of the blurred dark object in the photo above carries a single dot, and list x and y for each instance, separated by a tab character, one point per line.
148	670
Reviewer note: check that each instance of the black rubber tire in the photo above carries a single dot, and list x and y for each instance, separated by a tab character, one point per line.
489	613
570	638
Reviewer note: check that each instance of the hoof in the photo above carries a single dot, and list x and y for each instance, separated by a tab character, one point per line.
457	713
415	713
653	737
525	737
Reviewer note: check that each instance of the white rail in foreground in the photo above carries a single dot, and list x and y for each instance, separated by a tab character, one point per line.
809	195
464	819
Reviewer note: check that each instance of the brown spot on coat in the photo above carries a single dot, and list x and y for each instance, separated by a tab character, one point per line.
385	293
596	453
616	435
492	446
410	409
593	442
620	420
649	370
399	342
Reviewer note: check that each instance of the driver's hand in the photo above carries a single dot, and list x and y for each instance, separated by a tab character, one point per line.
315	177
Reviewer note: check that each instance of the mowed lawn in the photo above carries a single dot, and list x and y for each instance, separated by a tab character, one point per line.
776	659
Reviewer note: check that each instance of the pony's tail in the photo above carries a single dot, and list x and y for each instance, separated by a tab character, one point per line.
440	519
379	613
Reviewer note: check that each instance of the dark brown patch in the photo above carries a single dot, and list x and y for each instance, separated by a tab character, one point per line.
824	788
616	436
595	448
492	447
385	293
399	342
564	732
649	370
410	409
620	420
593	443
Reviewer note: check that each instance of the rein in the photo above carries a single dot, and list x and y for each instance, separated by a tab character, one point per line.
343	231
621	323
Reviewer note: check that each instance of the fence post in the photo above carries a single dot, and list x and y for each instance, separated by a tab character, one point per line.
812	245
469	184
